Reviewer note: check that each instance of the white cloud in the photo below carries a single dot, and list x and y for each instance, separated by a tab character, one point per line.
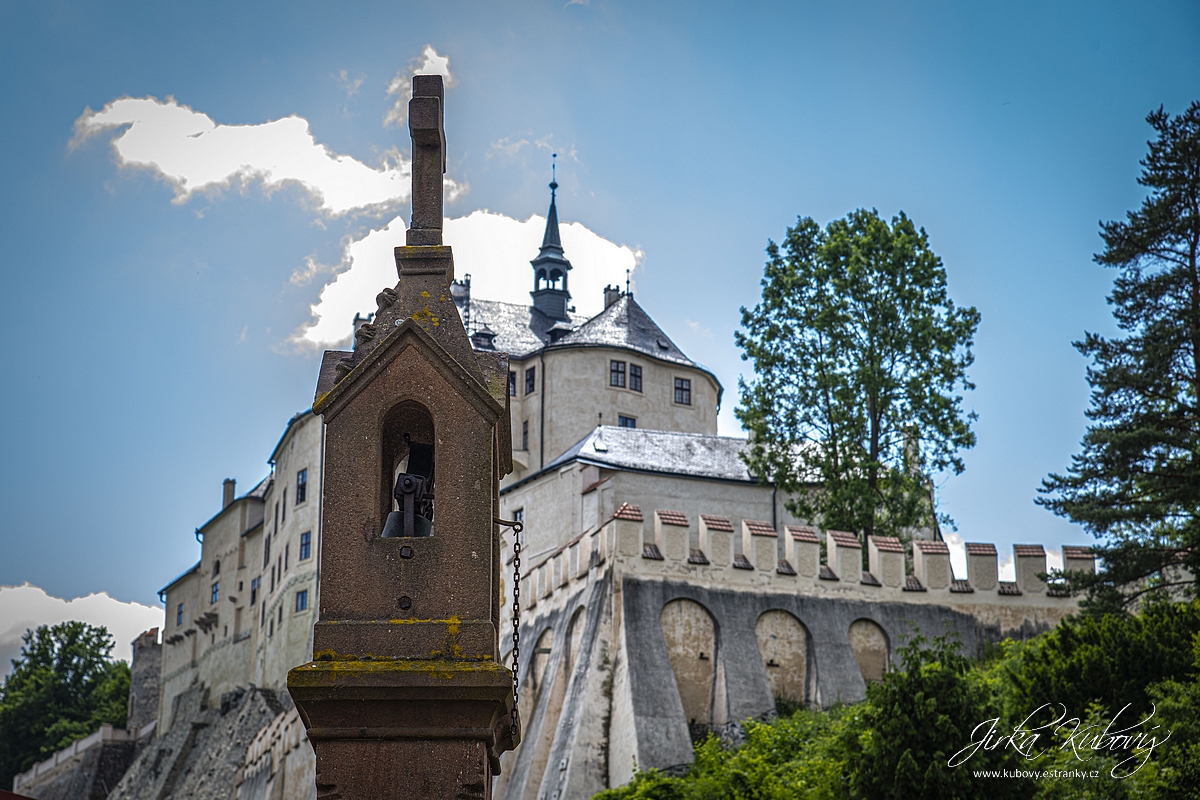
350	85
428	63
193	153
28	607
493	248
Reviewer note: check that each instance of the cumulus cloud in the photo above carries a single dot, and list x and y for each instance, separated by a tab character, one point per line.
428	63
192	153
26	607
493	248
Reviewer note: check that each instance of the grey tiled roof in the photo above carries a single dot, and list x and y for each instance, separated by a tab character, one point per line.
625	324
694	454
520	330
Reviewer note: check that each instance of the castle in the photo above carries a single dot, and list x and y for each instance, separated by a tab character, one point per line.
665	591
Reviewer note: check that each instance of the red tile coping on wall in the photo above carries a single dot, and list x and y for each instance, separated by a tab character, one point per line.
913	584
1071	551
697	556
1007	587
932	548
758	527
1028	550
741	562
717	523
803	533
631	513
845	539
887	544
980	549
961	587
784	568
677	518
651	551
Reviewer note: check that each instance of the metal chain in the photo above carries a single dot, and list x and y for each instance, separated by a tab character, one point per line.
518	526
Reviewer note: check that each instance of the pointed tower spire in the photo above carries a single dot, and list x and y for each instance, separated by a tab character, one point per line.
550	268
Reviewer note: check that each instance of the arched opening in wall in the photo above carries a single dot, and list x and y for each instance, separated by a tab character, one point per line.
407	480
783	644
539	281
870	645
691	637
548	687
574	637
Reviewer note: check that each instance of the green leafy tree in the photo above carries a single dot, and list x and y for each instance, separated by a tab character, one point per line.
859	354
62	688
1136	485
916	719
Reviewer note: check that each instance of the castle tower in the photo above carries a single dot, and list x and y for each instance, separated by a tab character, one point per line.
550	268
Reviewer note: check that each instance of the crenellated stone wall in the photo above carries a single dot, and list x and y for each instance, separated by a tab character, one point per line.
634	649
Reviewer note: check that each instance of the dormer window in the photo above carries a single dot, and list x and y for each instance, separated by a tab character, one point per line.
616	374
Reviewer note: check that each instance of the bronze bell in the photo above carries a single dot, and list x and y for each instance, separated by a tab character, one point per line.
414	493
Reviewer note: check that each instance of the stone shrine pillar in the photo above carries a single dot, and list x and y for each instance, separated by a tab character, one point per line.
405	696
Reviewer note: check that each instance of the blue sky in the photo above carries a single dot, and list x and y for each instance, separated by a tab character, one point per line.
154	347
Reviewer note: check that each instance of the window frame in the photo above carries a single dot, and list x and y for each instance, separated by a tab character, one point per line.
525	435
530	380
179	616
626	422
683	388
305	546
301	486
216	592
616	373
302	601
512	383
635	377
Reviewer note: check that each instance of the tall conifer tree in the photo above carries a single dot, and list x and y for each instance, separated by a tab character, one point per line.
1136	484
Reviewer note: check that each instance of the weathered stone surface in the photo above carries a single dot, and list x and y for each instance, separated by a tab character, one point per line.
202	753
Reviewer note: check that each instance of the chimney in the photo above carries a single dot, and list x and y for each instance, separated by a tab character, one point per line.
227	492
611	295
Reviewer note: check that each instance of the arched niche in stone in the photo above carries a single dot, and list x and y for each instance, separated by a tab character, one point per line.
691	637
783	644
574	637
404	424
871	649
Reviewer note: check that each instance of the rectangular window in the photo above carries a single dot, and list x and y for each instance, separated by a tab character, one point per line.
305	545
276	516
519	515
266	550
530	380
271	631
626	422
635	377
616	373
216	592
272	577
254	584
286	549
179	614
525	435
262	620
683	391
301	486
512	384
284	519
302	600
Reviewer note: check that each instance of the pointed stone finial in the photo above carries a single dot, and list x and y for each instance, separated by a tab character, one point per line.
426	125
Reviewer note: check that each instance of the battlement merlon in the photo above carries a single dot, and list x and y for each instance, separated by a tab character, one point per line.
800	570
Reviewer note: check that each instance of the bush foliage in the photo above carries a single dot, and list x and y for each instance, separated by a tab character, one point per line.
897	743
